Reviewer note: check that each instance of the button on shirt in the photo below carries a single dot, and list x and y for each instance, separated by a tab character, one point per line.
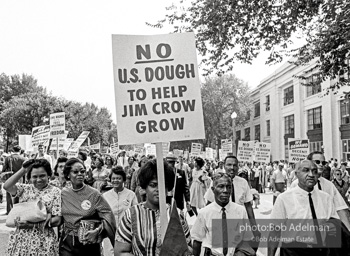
203	231
330	189
241	188
294	204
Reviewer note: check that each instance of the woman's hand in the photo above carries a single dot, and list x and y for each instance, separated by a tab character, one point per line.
91	236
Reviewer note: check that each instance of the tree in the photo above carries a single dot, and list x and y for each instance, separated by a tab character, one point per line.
222	96
238	30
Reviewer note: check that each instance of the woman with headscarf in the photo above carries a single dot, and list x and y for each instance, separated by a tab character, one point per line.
83	204
138	233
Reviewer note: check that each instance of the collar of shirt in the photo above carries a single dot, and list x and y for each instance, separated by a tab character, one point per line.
219	208
303	192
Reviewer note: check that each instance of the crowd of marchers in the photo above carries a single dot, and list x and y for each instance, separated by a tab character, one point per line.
104	204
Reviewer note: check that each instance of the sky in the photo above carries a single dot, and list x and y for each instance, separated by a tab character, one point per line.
67	45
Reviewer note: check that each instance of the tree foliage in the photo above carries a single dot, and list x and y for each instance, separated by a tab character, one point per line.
25	105
238	30
221	97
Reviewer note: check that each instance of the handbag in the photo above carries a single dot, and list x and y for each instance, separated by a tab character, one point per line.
32	211
85	226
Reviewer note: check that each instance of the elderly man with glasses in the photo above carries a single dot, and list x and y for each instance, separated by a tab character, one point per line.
328	187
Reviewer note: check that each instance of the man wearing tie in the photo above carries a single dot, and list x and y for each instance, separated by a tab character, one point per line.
327	186
212	224
302	202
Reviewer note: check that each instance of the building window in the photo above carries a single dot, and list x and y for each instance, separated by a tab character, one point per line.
268	128
314	118
316	146
313	85
257	132
238	135
345	73
267	103
289	124
257	109
247	134
344	111
346	150
288	96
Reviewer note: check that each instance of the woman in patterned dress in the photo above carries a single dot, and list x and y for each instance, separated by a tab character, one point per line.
100	174
138	232
35	238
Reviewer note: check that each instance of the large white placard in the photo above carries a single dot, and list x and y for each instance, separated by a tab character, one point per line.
157	88
196	149
57	125
298	149
78	142
40	136
24	141
245	152
226	146
262	152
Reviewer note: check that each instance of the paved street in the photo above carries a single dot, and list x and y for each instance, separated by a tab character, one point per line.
262	212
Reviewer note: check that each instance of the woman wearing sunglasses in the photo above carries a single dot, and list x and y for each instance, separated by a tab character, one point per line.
341	185
80	204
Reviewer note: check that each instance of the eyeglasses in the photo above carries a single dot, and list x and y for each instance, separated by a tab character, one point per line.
337	174
79	171
319	162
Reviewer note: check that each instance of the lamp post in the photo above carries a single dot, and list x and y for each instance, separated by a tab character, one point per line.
233	116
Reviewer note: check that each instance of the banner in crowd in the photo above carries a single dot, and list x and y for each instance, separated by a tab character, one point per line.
139	148
57	125
67	143
78	142
61	142
178	152
209	153
96	146
24	141
226	146
262	152
40	136
196	149
157	88
186	154
298	149
245	152
114	148
166	148
150	149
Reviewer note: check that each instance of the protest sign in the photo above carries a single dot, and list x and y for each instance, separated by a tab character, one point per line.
196	149
157	88
57	125
67	143
40	136
262	152
245	151
24	141
114	148
58	143
166	147
139	148
209	153
79	141
298	149
95	146
150	149
178	152
226	146
186	154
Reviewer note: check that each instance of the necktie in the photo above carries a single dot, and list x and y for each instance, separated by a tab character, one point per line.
224	232
318	234
233	193
319	185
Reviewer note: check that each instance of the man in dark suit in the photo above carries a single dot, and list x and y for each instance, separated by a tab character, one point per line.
12	164
181	189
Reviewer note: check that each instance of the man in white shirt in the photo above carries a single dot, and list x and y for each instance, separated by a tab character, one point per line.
302	202
230	238
183	166
279	180
43	155
328	187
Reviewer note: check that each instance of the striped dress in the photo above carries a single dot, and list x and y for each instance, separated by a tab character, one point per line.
140	227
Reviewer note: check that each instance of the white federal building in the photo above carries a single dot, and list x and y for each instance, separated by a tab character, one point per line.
283	108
